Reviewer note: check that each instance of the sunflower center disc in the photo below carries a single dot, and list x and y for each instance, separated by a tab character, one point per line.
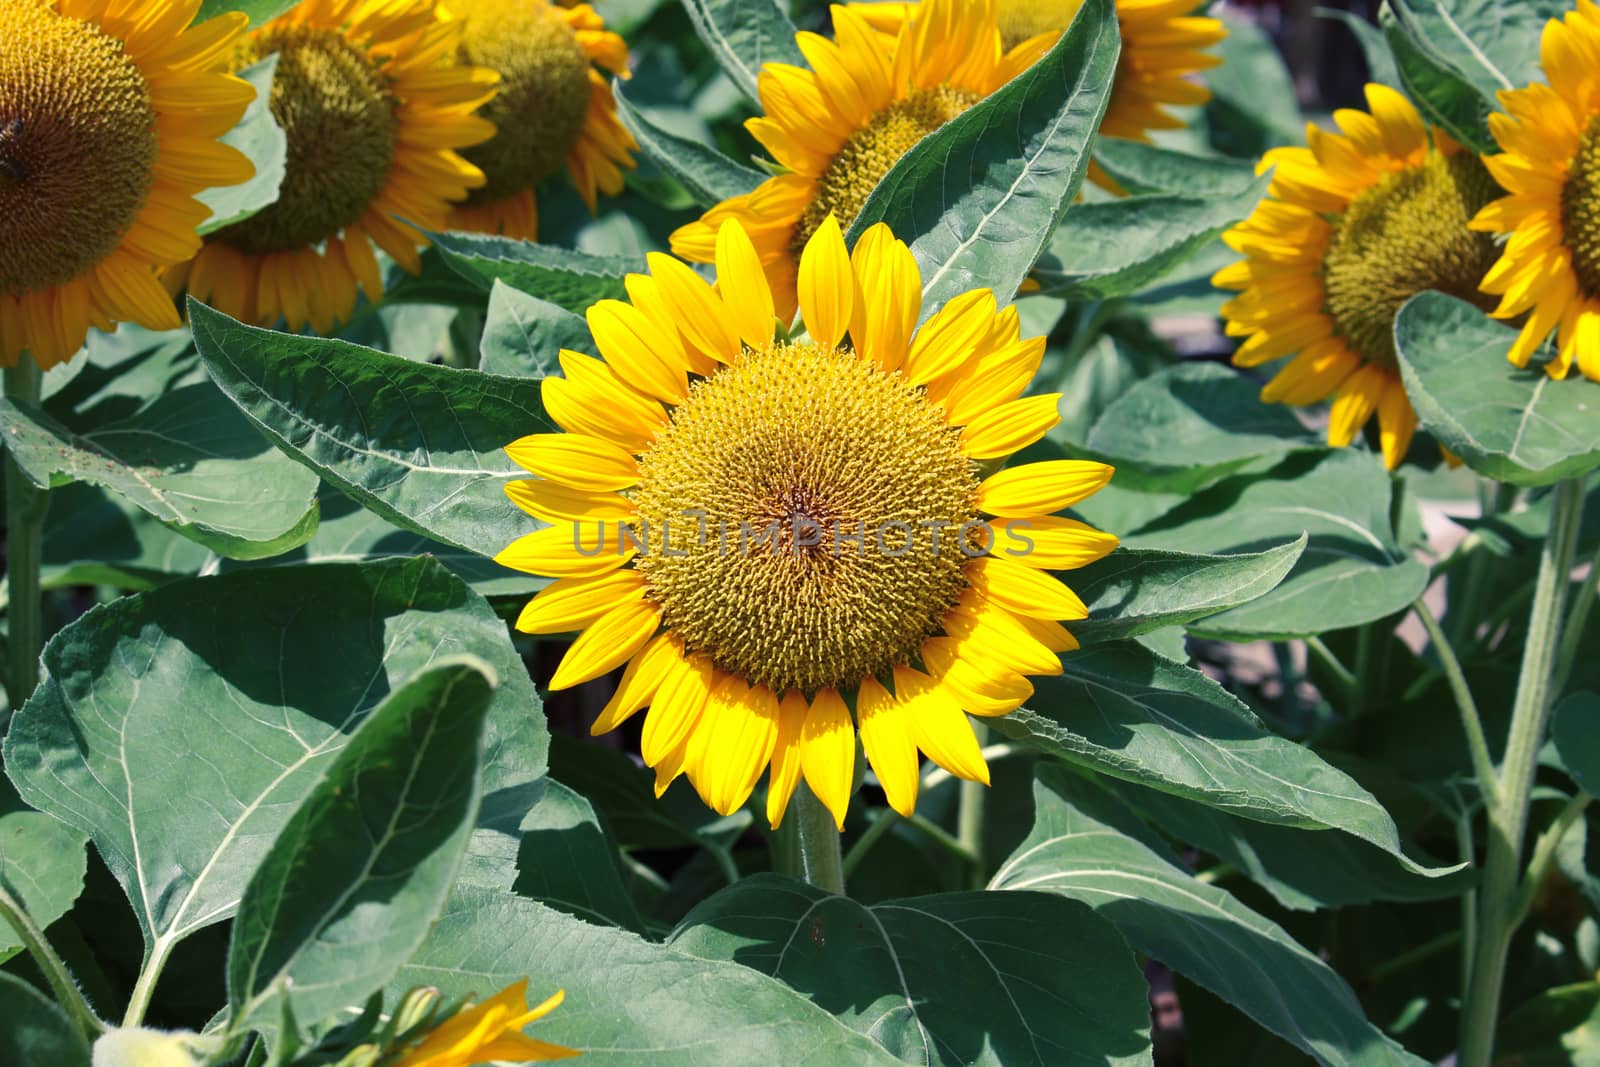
544	93
872	150
802	487
77	146
1580	210
1405	234
1021	20
338	117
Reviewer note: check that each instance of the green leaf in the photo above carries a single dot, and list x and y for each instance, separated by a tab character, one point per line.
1187	426
978	199
1443	97
569	861
1148	168
1252	106
94	538
42	863
744	36
243	688
523	336
1084	846
188	458
1575	738
1302	869
259	10
628	1000
34	1030
1135	591
1352	570
359	873
955	978
1512	424
1493	46
259	137
567	278
1117	247
1123	711
708	175
421	445
1558	1028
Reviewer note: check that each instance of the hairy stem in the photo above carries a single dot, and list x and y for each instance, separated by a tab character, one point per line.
68	995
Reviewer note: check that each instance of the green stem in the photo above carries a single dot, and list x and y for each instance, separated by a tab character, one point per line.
1508	818
55	971
1363	672
1324	655
969	818
145	986
25	508
1471	722
816	854
1544	852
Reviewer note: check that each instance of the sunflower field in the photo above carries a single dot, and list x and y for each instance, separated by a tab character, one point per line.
753	532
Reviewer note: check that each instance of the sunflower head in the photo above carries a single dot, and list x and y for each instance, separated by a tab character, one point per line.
109	116
374	108
1548	273
787	541
1353	227
554	109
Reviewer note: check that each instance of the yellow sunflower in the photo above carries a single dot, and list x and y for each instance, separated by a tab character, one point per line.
1353	227
109	119
485	1032
1163	48
771	534
374	108
554	107
838	128
1549	269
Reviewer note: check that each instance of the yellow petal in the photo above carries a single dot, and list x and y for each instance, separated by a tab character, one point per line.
890	287
828	752
557	503
608	643
1396	424
1011	427
940	727
646	357
639	682
733	744
577	460
827	285
573	603
565	551
890	746
744	286
1023	590
785	773
678	706
1357	400
951	336
1041	488
1050	543
986	689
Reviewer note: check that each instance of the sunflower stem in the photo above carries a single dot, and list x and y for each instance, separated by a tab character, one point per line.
1466	707
817	857
25	510
68	995
1500	888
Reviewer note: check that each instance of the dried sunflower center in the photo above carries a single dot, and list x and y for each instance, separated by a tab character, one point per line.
1405	234
77	146
872	150
339	119
1580	209
804	489
544	92
1023	19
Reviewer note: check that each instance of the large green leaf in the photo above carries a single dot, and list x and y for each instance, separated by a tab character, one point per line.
92	537
1513	424
1443	96
33	1030
567	278
1352	570
954	979
258	10
978	199
1084	846
744	36
1117	247
361	870
1187	426
1135	591
1494	46
628	1000
706	173
259	137
1149	168
42	863
421	445
189	458
242	689
567	860
1123	711
523	336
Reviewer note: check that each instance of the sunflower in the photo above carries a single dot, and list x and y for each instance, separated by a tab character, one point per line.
374	107
1352	228
836	130
1163	48
554	108
109	119
489	1031
1549	269
769	533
